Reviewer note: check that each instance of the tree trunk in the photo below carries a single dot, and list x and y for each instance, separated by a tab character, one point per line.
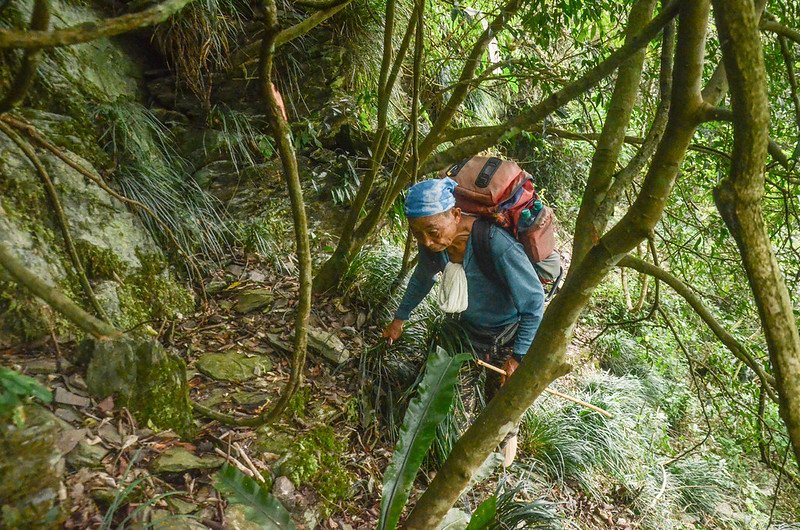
739	197
612	137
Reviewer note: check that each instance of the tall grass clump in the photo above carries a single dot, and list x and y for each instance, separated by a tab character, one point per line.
150	171
198	40
568	442
237	137
514	512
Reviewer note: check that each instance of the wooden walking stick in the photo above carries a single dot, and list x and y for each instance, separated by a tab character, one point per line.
550	391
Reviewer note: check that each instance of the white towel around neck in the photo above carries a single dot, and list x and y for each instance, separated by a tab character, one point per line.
452	295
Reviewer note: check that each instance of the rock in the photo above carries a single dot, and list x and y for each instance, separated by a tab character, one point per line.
328	345
67	415
65	397
41	366
164	520
215	287
145	378
244	397
177	459
236	519
252	299
86	455
271	440
284	491
70	438
234	366
31	469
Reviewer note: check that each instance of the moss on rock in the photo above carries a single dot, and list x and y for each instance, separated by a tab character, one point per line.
144	377
31	470
149	293
316	459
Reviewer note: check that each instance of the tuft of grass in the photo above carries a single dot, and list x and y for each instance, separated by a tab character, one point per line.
701	485
151	171
514	512
239	137
197	41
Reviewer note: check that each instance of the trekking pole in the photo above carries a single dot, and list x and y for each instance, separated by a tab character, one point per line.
550	391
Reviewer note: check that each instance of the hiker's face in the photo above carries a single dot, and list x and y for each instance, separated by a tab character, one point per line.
436	232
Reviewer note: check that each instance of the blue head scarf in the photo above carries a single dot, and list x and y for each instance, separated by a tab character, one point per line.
430	197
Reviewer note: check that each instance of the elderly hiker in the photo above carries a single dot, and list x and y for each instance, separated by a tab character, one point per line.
501	318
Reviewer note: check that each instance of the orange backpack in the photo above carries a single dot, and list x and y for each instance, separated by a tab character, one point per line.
503	193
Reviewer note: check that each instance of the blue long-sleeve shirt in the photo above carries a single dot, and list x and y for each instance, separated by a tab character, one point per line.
490	306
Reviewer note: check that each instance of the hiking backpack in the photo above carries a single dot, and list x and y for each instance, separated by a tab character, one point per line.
500	192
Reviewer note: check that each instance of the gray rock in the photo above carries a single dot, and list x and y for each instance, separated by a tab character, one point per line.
236	518
232	366
32	468
252	299
284	491
177	459
65	397
328	345
86	455
145	378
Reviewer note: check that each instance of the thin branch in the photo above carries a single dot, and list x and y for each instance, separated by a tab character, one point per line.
788	60
736	348
40	20
711	113
61	218
776	27
89	31
55	298
249	52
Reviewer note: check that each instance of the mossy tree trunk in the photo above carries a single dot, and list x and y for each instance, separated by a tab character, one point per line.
546	359
739	197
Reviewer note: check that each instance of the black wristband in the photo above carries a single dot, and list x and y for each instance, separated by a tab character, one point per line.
518	357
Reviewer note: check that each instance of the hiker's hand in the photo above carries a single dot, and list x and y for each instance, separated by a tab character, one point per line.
393	331
510	365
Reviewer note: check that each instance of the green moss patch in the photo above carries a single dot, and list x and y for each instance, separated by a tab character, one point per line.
316	459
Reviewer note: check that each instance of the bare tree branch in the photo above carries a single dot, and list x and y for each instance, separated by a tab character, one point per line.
60	217
737	348
89	31
54	297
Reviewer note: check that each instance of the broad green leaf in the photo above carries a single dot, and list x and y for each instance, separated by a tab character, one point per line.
428	408
22	385
484	514
260	507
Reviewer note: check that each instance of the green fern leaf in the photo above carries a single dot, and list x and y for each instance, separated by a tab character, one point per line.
260	507
428	408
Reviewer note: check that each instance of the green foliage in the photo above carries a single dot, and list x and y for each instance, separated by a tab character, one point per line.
124	495
237	134
152	172
17	389
701	485
483	515
425	412
513	513
261	508
316	459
